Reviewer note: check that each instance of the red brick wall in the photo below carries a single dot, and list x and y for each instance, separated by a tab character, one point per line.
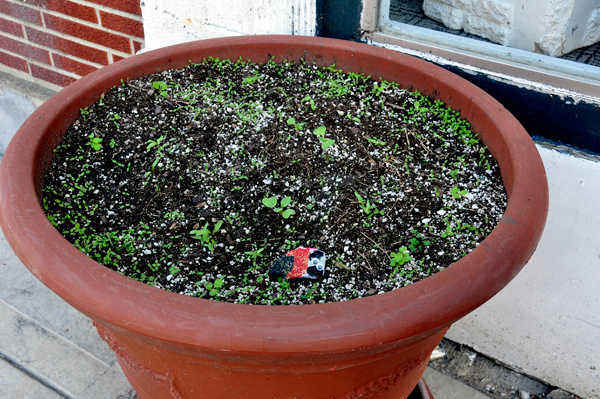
59	41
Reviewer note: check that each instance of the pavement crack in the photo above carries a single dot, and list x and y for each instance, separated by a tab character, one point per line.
34	376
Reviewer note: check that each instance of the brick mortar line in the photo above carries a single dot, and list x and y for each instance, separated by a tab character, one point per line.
108	9
85	3
28	77
66	37
72	19
42	65
97	11
50	49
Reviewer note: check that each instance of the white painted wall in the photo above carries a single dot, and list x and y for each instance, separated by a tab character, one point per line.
552	27
168	22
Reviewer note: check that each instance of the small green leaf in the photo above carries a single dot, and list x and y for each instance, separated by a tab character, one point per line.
291	121
218	283
326	143
360	199
286	201
218	226
320	131
287	213
270	202
162	86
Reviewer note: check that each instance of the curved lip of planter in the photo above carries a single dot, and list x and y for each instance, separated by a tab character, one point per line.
404	314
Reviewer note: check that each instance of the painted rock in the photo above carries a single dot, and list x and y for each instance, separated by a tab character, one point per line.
300	263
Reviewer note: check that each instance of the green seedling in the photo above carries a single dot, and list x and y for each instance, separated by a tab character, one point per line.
400	258
325	143
285	202
94	142
248	80
254	255
370	209
114	117
155	143
457	192
175	215
84	112
206	236
112	143
214	288
311	101
256	164
449	232
353	118
237	175
418	242
375	141
298	126
161	87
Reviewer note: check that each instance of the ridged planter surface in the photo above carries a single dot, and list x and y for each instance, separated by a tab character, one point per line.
173	346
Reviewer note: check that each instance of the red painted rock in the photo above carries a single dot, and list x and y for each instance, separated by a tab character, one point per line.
300	263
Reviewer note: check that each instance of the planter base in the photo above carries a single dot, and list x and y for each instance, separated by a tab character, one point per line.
421	391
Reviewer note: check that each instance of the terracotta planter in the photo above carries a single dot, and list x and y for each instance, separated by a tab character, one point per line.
172	346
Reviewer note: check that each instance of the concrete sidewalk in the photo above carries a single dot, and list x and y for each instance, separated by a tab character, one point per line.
545	324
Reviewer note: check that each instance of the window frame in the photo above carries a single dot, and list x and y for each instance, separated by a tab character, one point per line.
469	53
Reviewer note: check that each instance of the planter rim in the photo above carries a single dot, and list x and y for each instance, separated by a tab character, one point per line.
412	311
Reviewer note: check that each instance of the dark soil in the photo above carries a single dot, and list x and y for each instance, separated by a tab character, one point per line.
164	179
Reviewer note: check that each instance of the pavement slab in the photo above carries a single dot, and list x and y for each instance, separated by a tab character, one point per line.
47	340
445	387
17	384
546	322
